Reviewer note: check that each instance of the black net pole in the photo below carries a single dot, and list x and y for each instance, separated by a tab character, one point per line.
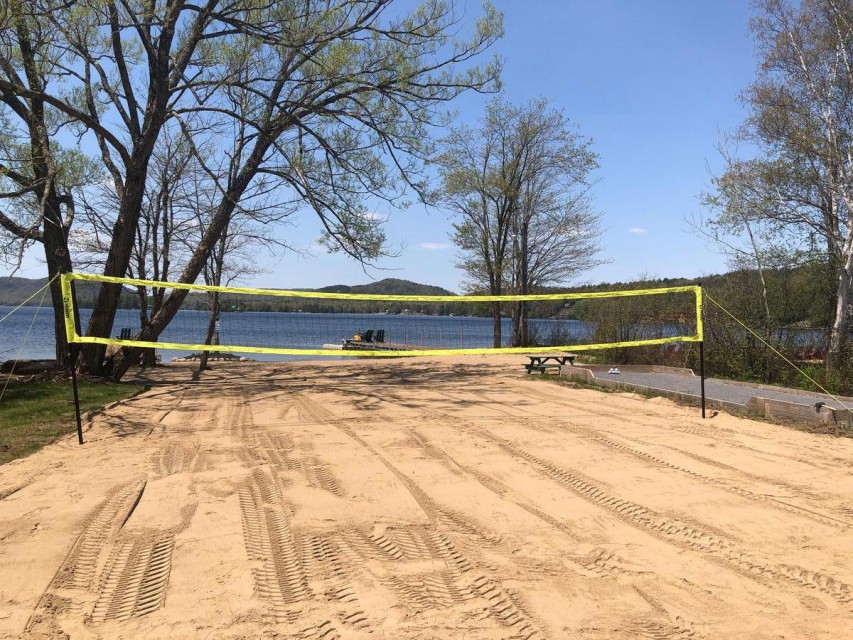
72	351
702	363
702	373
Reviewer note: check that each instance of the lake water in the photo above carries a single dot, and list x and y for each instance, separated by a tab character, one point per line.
28	333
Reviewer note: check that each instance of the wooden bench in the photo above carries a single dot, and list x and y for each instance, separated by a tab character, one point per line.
544	363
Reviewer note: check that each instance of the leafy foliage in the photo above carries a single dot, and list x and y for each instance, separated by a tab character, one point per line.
790	204
517	185
331	105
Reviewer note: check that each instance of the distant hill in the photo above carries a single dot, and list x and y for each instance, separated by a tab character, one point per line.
389	287
14	291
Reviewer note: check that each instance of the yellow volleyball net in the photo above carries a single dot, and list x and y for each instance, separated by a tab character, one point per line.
277	322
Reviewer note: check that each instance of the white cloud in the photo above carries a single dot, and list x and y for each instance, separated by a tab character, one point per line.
434	246
638	231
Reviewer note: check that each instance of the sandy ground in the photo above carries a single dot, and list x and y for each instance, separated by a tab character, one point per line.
423	499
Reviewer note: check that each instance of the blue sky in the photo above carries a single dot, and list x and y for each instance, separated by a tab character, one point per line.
652	83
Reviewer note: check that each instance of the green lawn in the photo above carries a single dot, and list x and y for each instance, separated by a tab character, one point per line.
34	414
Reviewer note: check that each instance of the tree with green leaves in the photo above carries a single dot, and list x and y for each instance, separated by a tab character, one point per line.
518	185
40	180
339	114
341	97
791	201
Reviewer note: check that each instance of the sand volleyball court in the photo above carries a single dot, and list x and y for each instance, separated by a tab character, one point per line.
431	499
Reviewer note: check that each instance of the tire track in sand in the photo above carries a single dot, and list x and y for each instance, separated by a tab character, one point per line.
677	532
706	431
610	443
287	561
599	561
276	450
502	606
74	582
120	572
269	540
80	567
652	460
175	457
136	577
290	563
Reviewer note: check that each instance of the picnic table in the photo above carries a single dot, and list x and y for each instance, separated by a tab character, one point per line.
542	363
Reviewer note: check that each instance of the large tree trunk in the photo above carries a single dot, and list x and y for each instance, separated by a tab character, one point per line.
838	334
148	357
58	261
118	259
161	67
212	336
495	290
520	337
122	360
523	309
496	315
45	172
516	334
213	325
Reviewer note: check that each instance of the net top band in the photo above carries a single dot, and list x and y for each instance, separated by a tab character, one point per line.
289	293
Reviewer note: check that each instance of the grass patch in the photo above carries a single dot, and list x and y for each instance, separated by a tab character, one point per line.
34	414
